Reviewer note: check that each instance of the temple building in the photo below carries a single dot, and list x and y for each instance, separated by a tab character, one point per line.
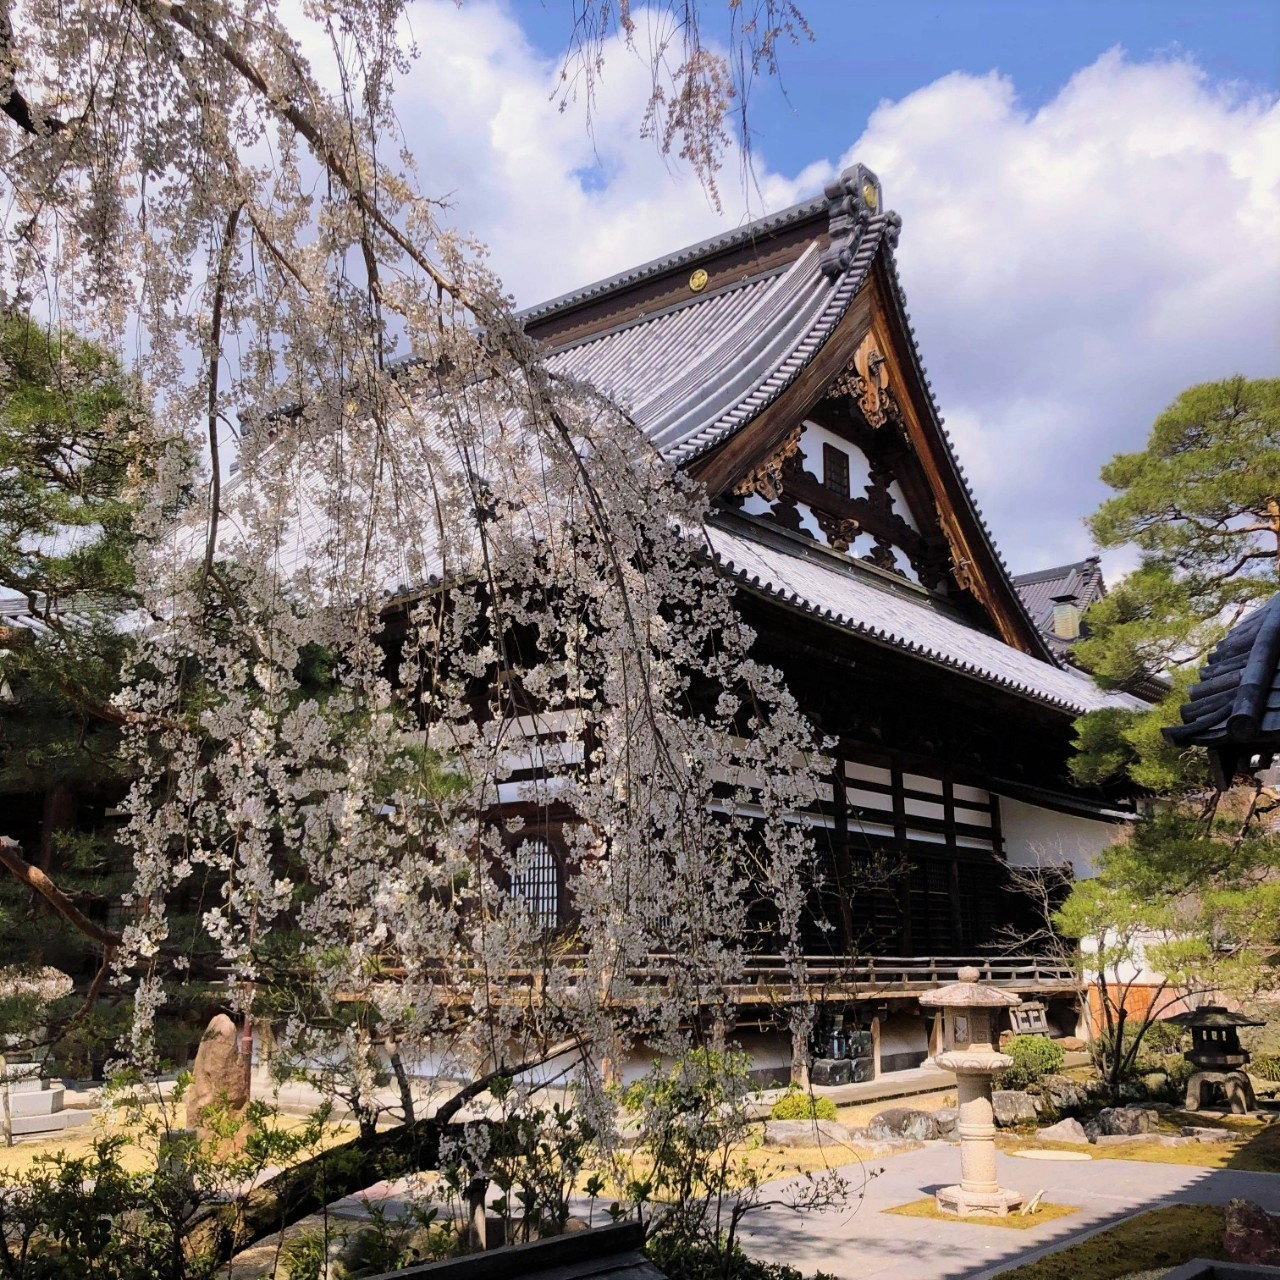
777	364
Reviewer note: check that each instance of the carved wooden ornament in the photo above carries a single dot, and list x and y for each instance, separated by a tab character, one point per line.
866	382
766	479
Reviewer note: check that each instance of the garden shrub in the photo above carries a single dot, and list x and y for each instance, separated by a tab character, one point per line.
797	1105
1266	1066
1034	1057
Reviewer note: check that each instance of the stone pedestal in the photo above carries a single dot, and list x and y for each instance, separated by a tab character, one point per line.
978	1190
1236	1085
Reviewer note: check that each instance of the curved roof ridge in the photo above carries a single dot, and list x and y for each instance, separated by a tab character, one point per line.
742	234
805	346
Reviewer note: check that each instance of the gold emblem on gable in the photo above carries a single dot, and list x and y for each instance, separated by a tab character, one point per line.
698	281
870	196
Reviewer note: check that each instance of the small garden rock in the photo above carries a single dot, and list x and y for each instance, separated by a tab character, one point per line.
1064	1094
904	1122
1208	1135
1127	1121
947	1119
804	1133
1012	1107
1068	1130
1251	1234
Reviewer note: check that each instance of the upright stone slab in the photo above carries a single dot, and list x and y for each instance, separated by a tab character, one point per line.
220	1077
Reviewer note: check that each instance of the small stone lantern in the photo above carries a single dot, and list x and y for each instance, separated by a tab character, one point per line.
969	1010
1218	1056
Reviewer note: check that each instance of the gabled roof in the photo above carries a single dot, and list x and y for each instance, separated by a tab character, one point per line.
695	369
1082	579
1235	708
692	374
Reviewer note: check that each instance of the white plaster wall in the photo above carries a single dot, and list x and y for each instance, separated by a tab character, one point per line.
1035	836
813	437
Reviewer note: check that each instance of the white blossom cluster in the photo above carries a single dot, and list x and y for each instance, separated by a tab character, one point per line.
448	605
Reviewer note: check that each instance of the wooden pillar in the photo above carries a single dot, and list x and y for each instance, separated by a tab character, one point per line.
875	1047
935	1035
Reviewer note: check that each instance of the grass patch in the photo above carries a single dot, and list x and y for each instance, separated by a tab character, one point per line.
139	1155
1016	1221
1159	1238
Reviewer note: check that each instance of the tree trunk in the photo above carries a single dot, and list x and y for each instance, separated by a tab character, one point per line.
219	1234
305	1188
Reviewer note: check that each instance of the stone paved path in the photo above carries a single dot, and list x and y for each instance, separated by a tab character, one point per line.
866	1242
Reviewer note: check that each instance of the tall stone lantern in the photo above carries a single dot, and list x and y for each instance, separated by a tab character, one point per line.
969	1011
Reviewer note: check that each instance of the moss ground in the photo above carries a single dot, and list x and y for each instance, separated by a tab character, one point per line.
1254	1148
1160	1238
927	1208
139	1153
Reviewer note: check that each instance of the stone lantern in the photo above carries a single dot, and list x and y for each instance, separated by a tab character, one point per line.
969	1010
1218	1056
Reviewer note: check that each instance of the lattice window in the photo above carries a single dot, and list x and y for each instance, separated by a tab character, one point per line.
536	882
835	470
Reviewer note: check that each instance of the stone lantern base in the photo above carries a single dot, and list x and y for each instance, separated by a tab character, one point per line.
971	1204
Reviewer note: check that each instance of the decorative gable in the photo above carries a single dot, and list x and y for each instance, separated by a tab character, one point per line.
847	477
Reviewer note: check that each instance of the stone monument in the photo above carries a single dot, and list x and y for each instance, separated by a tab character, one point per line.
220	1077
969	1010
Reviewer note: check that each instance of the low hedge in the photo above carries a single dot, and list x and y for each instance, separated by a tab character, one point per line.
796	1105
1034	1057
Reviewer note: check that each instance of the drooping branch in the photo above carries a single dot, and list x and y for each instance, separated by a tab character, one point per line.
215	362
15	104
12	860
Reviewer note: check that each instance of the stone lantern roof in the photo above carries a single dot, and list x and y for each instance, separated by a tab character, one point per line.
969	993
1214	1016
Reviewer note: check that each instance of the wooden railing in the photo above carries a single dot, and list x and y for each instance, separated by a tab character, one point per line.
918	973
771	976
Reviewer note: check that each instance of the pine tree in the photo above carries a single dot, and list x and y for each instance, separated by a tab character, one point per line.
73	444
1201	504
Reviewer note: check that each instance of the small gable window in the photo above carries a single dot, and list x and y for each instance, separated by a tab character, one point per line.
835	470
536	882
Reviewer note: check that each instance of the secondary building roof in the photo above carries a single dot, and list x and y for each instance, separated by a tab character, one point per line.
1081	581
1235	708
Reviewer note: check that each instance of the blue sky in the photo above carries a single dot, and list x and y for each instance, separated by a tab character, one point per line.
1090	195
865	51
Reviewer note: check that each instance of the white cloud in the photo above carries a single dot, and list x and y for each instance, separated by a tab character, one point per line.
1070	269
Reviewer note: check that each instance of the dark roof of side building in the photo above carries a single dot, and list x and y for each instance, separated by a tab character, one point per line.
1234	710
601	1253
1081	579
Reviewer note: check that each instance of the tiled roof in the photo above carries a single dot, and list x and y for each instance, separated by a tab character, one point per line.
1237	701
1083	579
692	375
831	588
16	612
